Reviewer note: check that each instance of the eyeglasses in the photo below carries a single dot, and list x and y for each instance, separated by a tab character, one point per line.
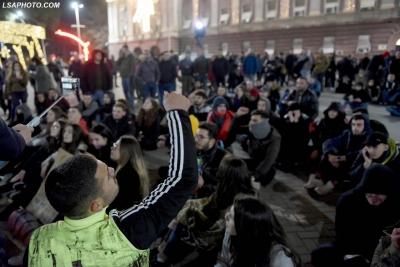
115	146
200	137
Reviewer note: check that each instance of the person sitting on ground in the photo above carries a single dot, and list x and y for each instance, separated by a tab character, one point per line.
294	129
254	237
262	143
395	109
368	208
242	98
75	116
148	124
379	149
283	100
81	188
332	125
200	223
221	91
42	102
358	97
88	107
54	95
339	154
102	140
376	126
374	91
131	173
251	89
389	90
265	105
221	116
109	101
23	115
315	85
199	108
344	85
387	253
306	98
120	122
271	91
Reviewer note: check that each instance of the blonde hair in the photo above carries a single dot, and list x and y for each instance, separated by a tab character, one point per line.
130	152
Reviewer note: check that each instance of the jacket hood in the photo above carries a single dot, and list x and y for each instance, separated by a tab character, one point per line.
336	106
267	103
393	151
218	101
378	179
112	97
25	110
367	125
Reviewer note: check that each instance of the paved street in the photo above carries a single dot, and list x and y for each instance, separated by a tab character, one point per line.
307	218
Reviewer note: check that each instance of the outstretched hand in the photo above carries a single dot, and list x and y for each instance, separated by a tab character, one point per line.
175	101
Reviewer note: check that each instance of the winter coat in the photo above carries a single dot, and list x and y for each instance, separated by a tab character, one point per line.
167	72
186	67
210	160
126	125
362	94
375	62
308	63
42	79
148	71
15	85
386	255
220	66
214	116
290	61
56	71
347	143
88	82
201	65
88	112
75	69
390	159
308	103
126	66
321	64
250	65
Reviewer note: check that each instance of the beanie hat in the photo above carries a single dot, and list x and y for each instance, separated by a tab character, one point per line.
378	179
218	101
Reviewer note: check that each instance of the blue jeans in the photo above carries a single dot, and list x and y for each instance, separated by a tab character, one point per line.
305	74
149	90
16	98
394	111
202	78
355	105
385	96
169	87
98	96
128	90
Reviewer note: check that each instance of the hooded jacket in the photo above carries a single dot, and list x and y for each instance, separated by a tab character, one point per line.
390	158
89	75
359	225
329	128
126	125
347	143
386	255
107	108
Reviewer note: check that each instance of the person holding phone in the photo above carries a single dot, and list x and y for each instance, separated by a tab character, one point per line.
387	253
379	149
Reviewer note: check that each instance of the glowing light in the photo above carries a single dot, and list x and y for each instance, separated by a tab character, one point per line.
284	10
83	44
235	11
20	14
74	5
5	52
145	8
349	5
28	30
18	50
199	25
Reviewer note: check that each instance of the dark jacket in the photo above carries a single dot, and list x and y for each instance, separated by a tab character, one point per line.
328	128
126	125
210	161
56	71
89	75
290	61
148	71
75	69
375	62
391	159
362	94
167	72
355	217
149	134
250	65
15	85
11	142
201	65
127	66
220	66
129	189
386	255
308	103
186	67
347	143
103	154
105	110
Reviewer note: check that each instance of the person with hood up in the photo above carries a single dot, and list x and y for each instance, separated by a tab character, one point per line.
379	149
96	76
265	105
387	253
221	116
332	125
361	215
262	143
339	154
23	115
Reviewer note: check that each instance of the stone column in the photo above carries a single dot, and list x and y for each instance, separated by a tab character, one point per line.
113	30
258	10
214	13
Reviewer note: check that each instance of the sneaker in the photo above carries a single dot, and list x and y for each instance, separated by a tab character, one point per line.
325	189
313	182
17	260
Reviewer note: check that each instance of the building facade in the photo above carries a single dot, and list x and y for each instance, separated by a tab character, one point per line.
340	26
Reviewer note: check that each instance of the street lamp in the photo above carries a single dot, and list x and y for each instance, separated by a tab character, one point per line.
199	33
20	15
78	26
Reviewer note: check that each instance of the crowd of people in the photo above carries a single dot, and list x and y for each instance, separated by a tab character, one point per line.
88	157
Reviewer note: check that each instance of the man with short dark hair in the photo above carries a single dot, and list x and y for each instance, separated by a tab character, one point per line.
88	106
307	100
200	109
262	143
75	116
186	68
81	189
209	155
149	73
378	150
220	68
120	122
